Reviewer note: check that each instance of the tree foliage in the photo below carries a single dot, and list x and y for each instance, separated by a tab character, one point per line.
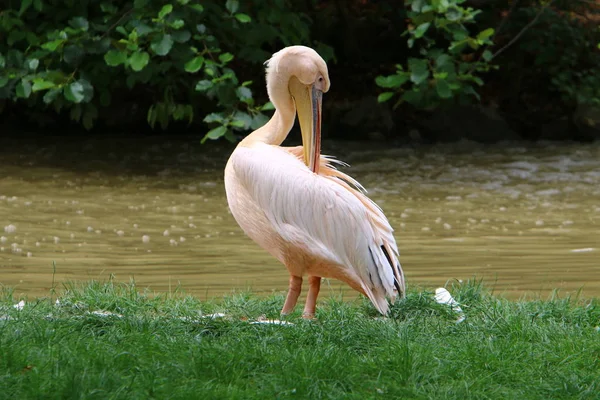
561	45
448	61
194	63
81	56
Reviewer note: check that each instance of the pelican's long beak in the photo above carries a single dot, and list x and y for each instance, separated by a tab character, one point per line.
308	105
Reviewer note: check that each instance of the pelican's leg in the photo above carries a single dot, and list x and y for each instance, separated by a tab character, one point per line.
314	283
293	294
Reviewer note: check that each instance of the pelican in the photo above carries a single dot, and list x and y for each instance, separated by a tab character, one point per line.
295	204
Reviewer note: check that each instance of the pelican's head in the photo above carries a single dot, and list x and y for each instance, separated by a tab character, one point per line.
303	72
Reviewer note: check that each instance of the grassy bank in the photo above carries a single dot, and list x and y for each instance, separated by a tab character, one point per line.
109	341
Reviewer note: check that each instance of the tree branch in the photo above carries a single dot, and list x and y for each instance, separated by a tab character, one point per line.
505	19
121	18
522	32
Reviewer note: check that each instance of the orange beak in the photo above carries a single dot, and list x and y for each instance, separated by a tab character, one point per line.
308	105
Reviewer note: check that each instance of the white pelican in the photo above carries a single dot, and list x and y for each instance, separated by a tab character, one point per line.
296	205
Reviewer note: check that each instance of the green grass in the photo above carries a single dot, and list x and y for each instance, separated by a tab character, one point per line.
159	348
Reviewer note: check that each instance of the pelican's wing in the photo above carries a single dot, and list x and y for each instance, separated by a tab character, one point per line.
324	213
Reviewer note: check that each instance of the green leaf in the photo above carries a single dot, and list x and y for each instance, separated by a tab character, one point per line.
237	123
52	45
2	61
143	29
454	14
140	3
421	29
232	5
32	39
3	81
215	133
115	57
243	93
25	4
73	54
487	55
442	6
230	137
459	32
88	90
419	70
189	111
267	106
98	46
213	117
183	110
162	45
181	36
40	84
79	23
243	18
464	68
241	119
385	96
258	121
37	4
23	89
225	57
485	34
108	8
132	38
194	64
162	115
417	5
392	81
197	7
122	31
177	24
89	115
15	57
469	90
203	85
477	80
74	92
443	90
33	63
15	36
442	61
51	95
151	117
139	60
165	10
75	113
413	97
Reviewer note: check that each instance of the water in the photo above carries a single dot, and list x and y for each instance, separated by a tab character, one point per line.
523	217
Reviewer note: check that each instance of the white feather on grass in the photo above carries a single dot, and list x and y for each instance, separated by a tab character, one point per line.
442	296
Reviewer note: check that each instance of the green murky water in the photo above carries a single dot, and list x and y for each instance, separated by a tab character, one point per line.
525	218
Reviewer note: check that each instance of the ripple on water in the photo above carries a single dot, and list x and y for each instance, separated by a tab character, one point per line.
516	214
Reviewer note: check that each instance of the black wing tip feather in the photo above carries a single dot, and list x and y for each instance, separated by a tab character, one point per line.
387	256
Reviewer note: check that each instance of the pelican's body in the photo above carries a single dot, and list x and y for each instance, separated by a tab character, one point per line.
297	206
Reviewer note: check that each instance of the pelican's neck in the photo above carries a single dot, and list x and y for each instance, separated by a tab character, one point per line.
276	129
279	126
